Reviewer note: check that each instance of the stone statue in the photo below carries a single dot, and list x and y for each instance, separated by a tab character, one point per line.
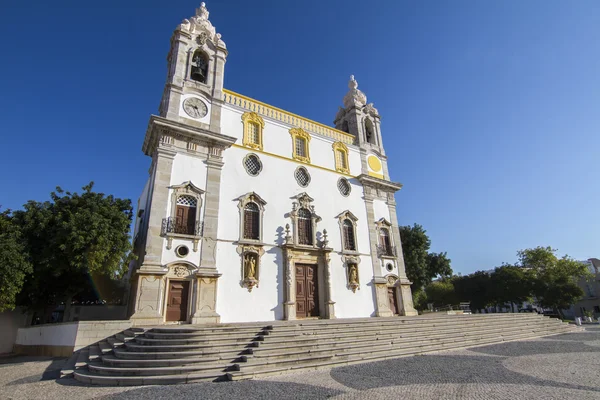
353	274
250	267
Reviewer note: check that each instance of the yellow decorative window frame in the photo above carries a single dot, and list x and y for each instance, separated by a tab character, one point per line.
343	149
249	118
300	134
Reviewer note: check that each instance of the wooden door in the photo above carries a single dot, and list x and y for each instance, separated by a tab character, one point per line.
177	300
393	300
185	219
307	291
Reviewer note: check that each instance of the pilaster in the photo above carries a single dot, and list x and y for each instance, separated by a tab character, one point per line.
406	306
148	299
211	208
158	208
206	297
289	306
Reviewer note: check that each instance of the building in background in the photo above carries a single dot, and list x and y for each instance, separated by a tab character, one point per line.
252	213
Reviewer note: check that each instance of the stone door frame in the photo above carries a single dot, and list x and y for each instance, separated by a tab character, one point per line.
182	272
318	257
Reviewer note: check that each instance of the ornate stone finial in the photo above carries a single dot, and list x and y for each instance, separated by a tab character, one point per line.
202	12
325	240
352	84
288	237
354	97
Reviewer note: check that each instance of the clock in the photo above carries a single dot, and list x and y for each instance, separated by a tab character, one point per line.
194	107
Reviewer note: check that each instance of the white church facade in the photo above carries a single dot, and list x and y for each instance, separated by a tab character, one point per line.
252	213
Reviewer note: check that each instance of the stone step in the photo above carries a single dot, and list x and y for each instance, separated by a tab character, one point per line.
105	348
214	329
248	372
133	332
439	322
285	341
368	347
95	379
406	320
234	341
213	369
122	337
209	335
82	358
156	355
69	366
94	352
135	347
374	331
114	342
111	360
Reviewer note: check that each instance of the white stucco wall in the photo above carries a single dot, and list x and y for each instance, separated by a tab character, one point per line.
276	185
50	335
193	169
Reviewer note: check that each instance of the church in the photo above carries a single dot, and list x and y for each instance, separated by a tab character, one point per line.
253	213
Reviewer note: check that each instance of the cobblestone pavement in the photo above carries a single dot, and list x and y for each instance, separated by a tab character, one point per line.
556	367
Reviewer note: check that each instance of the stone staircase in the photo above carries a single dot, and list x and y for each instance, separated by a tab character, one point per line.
185	354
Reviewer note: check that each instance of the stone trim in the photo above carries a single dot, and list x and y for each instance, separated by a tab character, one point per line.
303	200
188	189
251	197
347	215
320	257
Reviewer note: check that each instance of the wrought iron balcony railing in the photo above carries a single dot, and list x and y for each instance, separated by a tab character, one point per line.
170	226
388	251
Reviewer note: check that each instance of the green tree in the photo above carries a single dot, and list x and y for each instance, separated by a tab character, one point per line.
555	285
511	284
441	293
422	266
73	239
475	288
14	262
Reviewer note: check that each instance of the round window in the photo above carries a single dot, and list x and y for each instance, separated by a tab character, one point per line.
344	186
302	176
252	164
389	267
182	251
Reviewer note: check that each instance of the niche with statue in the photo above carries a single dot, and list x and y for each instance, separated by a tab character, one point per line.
250	272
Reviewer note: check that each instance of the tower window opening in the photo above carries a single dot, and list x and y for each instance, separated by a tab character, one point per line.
199	67
369	131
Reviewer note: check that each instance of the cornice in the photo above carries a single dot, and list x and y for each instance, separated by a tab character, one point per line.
381	184
159	126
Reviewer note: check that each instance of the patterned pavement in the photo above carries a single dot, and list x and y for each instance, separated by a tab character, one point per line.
556	367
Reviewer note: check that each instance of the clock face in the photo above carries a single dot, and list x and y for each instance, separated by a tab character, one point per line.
194	107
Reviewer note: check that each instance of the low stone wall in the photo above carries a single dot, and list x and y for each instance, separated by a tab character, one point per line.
10	322
61	340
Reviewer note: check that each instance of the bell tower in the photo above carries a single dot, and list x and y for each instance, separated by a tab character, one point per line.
362	120
193	93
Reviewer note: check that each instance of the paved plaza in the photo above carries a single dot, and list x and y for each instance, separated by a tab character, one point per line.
565	366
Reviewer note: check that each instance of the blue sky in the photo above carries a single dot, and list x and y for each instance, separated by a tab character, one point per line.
489	109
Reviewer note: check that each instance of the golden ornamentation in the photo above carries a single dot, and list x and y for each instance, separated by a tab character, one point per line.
374	163
299	133
253	126
340	155
286	117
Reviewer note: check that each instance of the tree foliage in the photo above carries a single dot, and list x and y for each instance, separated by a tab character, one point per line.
71	240
14	262
441	293
555	279
422	266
